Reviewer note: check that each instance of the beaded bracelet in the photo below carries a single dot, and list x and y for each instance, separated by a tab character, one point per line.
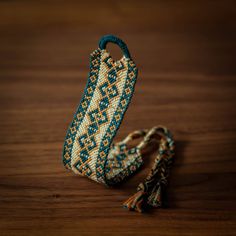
89	149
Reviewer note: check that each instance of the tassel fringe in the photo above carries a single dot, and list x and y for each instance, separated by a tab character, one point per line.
155	197
150	191
136	202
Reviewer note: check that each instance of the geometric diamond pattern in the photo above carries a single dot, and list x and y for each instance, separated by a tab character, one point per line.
109	90
93	128
98	117
109	81
87	142
104	103
95	59
118	114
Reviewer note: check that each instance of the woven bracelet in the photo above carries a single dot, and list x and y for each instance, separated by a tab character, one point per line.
89	149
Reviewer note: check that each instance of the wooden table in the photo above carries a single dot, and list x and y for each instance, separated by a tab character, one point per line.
185	53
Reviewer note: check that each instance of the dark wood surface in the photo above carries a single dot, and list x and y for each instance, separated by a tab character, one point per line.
185	53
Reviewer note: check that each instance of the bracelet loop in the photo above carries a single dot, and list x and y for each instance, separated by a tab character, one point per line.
113	39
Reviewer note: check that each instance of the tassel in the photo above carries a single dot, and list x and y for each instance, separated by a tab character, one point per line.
137	201
155	198
152	196
149	192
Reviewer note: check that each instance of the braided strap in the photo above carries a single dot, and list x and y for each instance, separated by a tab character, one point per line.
150	191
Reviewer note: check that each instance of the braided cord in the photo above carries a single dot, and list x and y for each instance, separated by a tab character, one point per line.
150	191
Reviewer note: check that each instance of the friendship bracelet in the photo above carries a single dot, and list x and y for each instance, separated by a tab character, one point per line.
89	149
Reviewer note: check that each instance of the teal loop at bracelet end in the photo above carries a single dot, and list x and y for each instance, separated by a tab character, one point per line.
113	39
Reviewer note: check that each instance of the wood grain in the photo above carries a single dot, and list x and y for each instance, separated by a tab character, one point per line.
185	52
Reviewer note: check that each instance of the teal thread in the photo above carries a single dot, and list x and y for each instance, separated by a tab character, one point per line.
101	162
80	108
113	39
